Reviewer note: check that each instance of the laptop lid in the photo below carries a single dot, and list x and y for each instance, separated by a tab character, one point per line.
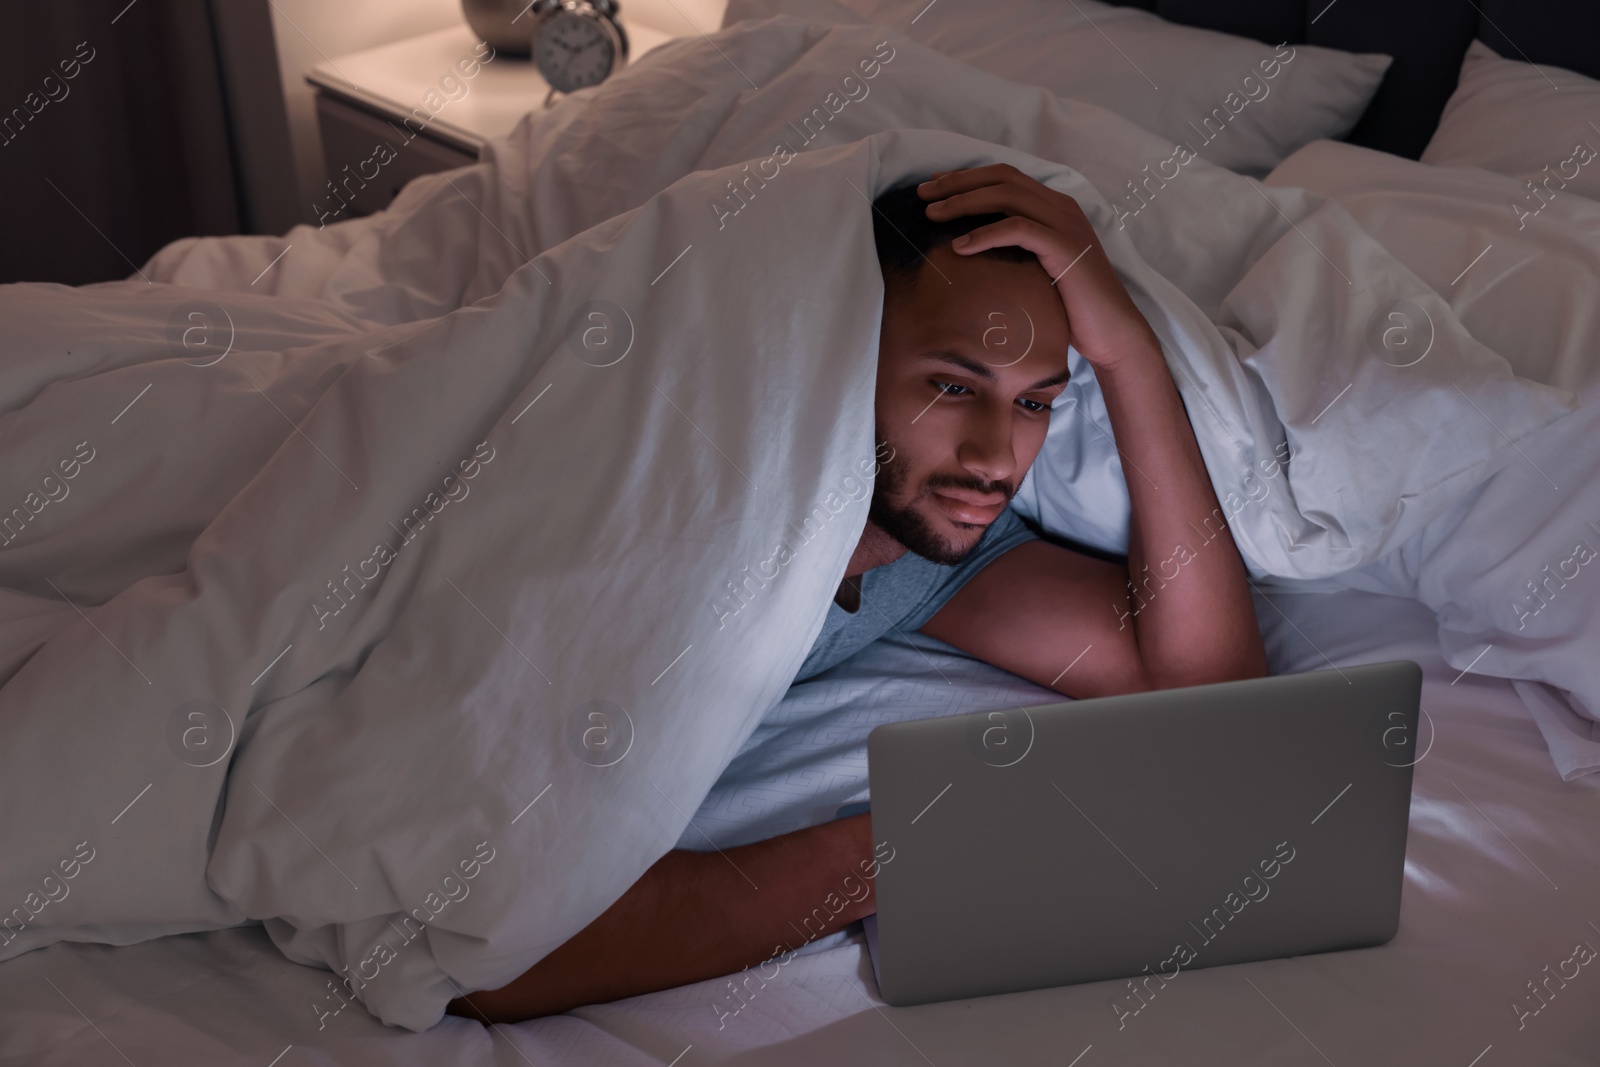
1142	835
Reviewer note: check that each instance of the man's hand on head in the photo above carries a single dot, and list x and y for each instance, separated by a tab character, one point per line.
1104	323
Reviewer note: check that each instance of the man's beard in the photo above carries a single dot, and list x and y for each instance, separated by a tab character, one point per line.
907	525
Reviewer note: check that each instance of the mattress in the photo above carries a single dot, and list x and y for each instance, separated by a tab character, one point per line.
1496	907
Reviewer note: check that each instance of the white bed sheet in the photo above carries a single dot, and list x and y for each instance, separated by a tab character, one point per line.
1499	884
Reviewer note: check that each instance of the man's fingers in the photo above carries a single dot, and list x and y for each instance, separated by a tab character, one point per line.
1012	230
1002	199
1055	253
960	181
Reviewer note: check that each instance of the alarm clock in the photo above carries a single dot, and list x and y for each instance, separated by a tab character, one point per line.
577	43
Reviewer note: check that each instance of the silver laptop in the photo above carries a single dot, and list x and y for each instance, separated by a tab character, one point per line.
1144	835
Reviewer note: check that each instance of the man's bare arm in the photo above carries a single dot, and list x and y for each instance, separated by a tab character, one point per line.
1068	621
1039	611
699	915
1191	610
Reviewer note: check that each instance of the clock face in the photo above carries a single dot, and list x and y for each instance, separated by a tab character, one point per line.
573	52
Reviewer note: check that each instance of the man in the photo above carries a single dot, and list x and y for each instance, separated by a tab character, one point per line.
989	276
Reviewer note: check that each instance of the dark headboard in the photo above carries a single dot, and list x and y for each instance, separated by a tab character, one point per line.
1426	37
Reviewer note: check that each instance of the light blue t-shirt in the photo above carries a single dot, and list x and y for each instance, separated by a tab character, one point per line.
905	594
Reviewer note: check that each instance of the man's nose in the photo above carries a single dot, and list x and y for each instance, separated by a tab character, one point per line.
986	452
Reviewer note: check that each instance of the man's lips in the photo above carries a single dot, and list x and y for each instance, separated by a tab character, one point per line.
966	506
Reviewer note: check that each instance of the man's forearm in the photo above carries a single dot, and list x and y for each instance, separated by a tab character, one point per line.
1190	604
699	915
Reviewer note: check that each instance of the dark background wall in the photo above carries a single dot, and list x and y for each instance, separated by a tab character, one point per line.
152	139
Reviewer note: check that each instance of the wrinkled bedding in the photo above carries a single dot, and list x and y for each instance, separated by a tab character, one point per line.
385	599
1511	568
1490	823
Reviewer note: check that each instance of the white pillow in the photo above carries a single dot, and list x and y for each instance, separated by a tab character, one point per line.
1262	102
1539	124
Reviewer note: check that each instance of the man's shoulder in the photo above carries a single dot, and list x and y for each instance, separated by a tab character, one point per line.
1004	533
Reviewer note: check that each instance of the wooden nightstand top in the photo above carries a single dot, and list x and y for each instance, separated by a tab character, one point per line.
413	78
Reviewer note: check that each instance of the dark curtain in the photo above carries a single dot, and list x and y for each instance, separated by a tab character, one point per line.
100	169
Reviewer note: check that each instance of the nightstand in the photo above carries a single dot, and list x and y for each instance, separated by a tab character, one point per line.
422	105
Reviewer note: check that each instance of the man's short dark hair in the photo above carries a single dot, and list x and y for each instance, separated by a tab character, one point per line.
905	235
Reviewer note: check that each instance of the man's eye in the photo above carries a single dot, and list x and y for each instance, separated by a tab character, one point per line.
949	388
1034	406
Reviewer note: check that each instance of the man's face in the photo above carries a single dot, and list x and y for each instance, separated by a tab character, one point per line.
970	357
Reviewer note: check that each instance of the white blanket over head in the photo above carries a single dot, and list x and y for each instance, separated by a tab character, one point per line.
416	629
1322	325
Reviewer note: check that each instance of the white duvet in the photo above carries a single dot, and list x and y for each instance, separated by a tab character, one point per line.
373	580
1513	570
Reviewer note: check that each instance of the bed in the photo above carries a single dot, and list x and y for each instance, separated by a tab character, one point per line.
1496	929
1496	888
